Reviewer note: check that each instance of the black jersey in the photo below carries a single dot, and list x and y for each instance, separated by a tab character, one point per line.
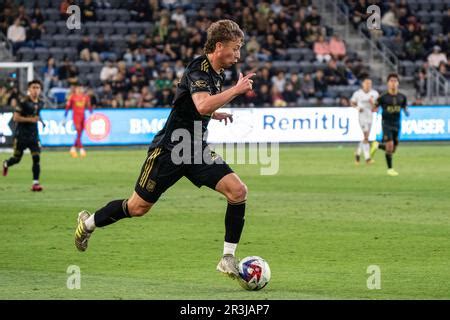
391	105
199	76
28	108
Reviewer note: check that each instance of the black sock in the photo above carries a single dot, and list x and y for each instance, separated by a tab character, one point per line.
36	167
382	146
389	160
112	212
234	222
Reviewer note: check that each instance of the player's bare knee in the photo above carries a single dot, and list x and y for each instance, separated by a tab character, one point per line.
138	210
238	193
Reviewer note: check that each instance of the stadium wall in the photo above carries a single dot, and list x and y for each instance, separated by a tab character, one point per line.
139	126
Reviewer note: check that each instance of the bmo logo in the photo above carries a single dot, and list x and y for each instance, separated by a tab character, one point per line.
98	127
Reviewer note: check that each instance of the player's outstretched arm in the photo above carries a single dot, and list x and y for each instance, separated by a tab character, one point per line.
206	104
19	118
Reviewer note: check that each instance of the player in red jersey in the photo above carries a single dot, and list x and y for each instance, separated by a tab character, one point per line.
78	102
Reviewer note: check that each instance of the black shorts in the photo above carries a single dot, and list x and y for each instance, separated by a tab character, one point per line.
159	173
390	133
21	144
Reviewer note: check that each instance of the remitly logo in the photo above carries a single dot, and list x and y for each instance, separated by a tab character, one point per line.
98	127
5	118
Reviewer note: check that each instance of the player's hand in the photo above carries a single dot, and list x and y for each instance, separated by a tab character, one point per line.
222	116
34	119
244	84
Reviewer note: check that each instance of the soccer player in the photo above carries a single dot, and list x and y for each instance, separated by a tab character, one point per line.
26	136
199	95
78	102
364	101
391	102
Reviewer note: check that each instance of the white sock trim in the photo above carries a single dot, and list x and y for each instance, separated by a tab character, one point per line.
229	248
90	223
366	148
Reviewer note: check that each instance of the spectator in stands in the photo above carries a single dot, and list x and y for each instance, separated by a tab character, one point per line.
277	97
50	75
102	49
420	84
289	95
334	75
279	81
414	49
108	71
85	50
389	21
179	69
436	57
68	73
337	47
34	35
93	98
322	50
179	17
164	98
38	16
359	12
295	81
16	34
63	8
398	46
6	19
88	11
443	70
105	95
307	86
309	34
344	101
314	17
118	101
162	28
262	97
147	99
140	11
22	14
272	49
320	85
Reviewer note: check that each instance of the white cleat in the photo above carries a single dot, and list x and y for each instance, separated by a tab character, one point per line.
228	266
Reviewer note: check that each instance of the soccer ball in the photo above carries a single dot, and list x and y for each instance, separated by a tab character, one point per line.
254	273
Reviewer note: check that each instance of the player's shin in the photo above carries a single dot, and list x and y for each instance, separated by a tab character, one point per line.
112	212
36	167
234	224
389	160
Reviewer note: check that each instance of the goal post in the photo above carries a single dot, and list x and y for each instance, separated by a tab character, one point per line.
19	72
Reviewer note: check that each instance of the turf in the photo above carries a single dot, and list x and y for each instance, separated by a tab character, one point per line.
320	222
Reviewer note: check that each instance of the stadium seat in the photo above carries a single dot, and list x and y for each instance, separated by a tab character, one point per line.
57	53
50	27
121	28
58	95
41	53
83	67
26	53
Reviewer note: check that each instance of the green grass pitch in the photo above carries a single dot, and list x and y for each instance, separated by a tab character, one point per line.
320	222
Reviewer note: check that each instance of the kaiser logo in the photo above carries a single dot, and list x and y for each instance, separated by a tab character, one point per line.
98	127
5	118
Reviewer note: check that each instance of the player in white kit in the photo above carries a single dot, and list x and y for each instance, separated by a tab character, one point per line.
364	101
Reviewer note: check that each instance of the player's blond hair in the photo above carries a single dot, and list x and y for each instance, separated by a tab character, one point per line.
222	31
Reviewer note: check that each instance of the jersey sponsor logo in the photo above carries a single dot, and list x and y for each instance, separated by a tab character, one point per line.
393	109
200	84
98	127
